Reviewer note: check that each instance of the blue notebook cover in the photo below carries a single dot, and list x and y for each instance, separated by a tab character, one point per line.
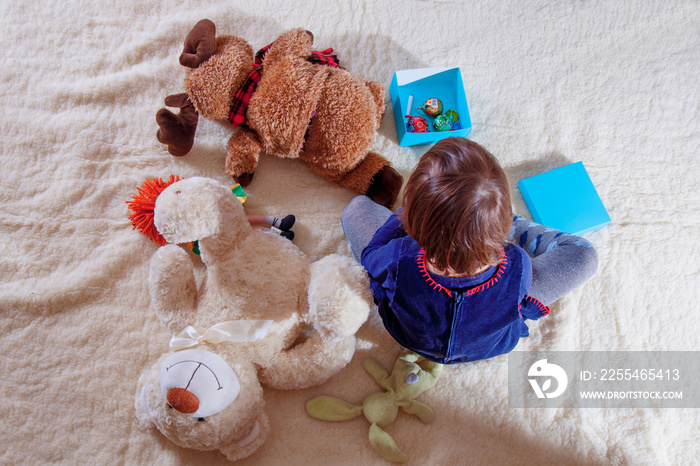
565	199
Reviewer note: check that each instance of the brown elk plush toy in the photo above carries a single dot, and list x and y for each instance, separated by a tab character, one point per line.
286	100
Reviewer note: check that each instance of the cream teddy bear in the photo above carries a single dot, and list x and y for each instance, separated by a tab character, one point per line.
261	314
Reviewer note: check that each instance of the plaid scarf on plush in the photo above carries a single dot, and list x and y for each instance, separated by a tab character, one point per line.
245	92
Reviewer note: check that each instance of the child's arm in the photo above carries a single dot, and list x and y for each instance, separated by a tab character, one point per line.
382	252
530	308
391	229
533	309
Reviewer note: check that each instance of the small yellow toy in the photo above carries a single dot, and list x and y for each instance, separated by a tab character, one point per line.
432	107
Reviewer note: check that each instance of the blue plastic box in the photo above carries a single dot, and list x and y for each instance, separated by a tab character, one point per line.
565	199
444	83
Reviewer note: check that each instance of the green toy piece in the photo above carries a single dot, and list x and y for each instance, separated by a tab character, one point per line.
442	123
408	380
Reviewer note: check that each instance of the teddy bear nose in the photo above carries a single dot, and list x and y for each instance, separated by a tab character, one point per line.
183	400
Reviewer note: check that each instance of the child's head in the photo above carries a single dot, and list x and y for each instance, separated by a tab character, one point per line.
457	206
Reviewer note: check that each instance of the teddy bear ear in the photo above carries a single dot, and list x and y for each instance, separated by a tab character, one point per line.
200	44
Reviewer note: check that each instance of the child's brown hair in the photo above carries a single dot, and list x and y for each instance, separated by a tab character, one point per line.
457	206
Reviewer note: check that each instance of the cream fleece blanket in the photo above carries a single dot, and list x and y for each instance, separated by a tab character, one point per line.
612	83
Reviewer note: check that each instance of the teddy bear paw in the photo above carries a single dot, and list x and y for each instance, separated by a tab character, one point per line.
243	179
385	186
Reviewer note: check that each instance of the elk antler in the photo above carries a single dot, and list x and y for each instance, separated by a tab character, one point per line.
200	44
177	131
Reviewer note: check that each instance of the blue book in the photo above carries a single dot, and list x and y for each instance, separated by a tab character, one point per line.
565	199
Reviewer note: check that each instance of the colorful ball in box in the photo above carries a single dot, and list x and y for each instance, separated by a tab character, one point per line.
424	83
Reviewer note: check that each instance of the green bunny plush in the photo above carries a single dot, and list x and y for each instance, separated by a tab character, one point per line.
407	380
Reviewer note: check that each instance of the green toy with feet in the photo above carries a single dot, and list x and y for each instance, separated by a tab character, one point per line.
411	376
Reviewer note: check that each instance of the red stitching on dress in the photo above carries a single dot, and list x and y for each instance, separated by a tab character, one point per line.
495	278
424	271
545	310
436	286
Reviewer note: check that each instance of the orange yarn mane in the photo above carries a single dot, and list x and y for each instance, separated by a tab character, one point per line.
143	204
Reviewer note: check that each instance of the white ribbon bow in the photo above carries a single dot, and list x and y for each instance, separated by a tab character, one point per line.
233	330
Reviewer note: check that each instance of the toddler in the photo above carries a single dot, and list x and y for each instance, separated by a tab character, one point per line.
454	273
